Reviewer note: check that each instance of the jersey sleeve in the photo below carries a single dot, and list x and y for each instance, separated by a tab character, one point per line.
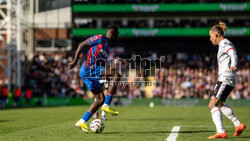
234	57
230	50
95	40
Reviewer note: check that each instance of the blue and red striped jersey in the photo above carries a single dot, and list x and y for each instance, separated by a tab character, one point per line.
99	50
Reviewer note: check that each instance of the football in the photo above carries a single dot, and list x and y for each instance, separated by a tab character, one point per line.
97	126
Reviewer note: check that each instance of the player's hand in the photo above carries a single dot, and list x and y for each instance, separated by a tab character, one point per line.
233	69
71	65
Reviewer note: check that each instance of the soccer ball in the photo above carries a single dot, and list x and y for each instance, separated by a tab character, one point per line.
97	126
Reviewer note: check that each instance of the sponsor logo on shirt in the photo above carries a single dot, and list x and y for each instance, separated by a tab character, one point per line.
103	52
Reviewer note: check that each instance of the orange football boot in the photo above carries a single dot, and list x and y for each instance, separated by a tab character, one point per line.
239	129
218	135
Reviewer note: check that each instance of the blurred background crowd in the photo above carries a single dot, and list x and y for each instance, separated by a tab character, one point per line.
50	31
182	75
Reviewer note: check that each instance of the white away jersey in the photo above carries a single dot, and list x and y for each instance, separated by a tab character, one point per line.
227	58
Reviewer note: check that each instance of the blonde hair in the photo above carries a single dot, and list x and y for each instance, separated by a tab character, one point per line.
223	26
220	28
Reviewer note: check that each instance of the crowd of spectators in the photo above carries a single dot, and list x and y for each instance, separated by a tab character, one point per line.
196	82
181	75
48	77
191	75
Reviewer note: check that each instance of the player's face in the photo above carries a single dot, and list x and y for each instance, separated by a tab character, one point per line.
113	35
213	38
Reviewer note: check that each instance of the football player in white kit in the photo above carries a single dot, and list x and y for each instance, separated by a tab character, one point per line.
227	64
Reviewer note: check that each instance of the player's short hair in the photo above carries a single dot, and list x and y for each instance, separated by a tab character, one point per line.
113	27
220	28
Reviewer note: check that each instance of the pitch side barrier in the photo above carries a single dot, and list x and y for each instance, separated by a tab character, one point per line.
47	102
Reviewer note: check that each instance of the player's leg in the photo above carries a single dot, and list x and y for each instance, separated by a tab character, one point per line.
111	90
104	83
103	112
91	77
93	108
96	113
114	79
214	104
99	95
104	115
228	112
217	118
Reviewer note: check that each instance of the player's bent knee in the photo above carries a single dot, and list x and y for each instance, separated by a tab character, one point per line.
211	105
101	101
220	104
214	102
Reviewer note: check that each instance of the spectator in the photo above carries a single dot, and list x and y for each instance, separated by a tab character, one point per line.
4	95
17	98
182	75
28	96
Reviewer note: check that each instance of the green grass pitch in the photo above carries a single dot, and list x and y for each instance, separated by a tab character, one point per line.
133	123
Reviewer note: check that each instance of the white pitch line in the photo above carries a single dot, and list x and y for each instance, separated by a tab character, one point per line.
174	133
206	126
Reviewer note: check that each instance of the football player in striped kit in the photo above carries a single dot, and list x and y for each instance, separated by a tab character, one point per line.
227	63
92	71
105	86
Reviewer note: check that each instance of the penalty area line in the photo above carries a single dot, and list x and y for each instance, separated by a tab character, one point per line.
174	133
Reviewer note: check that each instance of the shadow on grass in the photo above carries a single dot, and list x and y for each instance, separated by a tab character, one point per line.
5	120
157	132
239	137
152	119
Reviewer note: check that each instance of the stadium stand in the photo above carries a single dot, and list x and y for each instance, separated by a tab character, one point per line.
182	76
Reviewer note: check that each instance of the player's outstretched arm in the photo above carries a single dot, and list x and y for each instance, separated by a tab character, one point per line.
77	54
234	60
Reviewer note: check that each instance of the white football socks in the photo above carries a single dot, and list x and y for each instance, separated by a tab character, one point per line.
217	118
103	113
105	105
228	112
82	121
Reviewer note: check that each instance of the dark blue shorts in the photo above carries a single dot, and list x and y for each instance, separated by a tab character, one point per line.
91	76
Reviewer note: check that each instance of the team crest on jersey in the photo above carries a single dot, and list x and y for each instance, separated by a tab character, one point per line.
228	43
92	39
